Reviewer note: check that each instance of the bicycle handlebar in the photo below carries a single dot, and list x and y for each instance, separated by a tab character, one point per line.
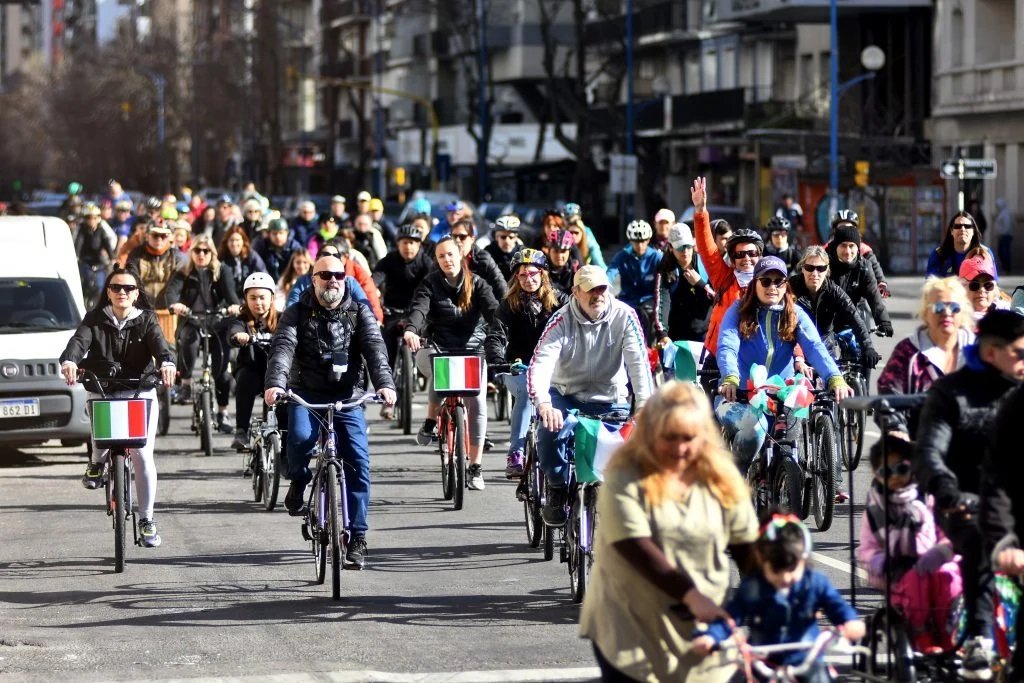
291	396
826	640
517	368
139	384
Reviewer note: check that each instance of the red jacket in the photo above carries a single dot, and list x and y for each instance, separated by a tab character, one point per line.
720	274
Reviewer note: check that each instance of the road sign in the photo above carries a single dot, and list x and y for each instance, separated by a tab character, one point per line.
622	173
974	169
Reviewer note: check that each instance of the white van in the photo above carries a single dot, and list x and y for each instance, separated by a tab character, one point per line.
41	305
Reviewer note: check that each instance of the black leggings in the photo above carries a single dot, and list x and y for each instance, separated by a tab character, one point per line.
188	351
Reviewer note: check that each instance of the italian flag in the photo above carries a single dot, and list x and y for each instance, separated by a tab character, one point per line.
457	373
686	358
595	442
119	419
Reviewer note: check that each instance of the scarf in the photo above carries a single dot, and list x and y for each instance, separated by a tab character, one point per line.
907	516
744	279
530	303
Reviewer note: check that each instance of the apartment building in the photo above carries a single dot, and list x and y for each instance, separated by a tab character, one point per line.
21	38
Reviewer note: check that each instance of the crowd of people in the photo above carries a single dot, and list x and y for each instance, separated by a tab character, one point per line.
337	294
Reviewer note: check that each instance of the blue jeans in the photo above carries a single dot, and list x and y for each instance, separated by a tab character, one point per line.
353	452
521	409
553	447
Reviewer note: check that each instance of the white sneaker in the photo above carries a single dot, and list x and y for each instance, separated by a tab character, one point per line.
475	478
979	653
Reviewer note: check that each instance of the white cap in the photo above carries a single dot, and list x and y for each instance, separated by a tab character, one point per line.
664	215
679	236
588	277
364	196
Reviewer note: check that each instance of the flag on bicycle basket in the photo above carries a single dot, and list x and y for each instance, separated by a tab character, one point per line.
119	420
457	373
685	358
594	444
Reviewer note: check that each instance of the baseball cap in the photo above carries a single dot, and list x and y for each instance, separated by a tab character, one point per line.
679	236
157	229
364	196
224	199
376	204
588	277
971	268
337	199
664	215
769	263
455	206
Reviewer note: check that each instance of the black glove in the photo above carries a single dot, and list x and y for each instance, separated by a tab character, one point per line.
884	329
870	357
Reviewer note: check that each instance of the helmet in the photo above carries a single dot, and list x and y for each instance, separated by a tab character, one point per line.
154	204
561	239
529	257
421	205
845	216
745	236
74	188
573	210
90	209
259	281
410	232
778	223
507	223
639	230
277	224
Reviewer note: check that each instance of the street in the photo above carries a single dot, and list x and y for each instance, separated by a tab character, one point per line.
455	594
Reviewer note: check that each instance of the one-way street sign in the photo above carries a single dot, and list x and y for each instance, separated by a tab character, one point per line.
973	169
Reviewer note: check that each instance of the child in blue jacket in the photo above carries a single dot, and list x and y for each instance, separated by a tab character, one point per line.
779	603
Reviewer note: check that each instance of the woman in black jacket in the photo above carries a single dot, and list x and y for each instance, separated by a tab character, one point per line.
454	306
236	253
204	285
123	329
478	261
526	309
854	276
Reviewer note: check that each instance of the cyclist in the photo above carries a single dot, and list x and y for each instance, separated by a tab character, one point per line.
96	246
225	217
326	232
586	242
637	267
360	276
123	329
562	266
955	421
304	224
513	335
202	286
978	275
854	275
850	217
477	260
961	237
582	361
664	219
763	328
276	246
423	221
252	219
779	231
123	223
298	266
236	253
505	244
257	319
323	349
683	296
156	262
368	240
454	306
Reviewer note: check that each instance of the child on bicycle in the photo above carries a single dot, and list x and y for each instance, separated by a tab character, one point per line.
924	576
779	602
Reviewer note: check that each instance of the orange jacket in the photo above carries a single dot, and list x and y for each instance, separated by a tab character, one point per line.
720	275
366	282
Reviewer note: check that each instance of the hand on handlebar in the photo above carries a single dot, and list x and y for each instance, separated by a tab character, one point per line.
884	329
728	391
413	341
70	372
883	289
388	396
168	373
179	309
704	609
853	630
271	395
842	392
550	417
233	309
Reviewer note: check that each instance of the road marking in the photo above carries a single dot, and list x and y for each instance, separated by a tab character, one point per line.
870	432
840	565
500	676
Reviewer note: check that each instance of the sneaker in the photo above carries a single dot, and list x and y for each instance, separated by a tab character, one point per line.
93	478
239	442
977	662
475	478
224	425
514	464
488	445
355	558
184	394
426	434
553	512
150	538
293	500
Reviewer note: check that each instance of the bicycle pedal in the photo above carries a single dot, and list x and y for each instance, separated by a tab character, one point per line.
305	533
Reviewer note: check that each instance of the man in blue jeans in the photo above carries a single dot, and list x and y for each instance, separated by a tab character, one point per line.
585	355
321	348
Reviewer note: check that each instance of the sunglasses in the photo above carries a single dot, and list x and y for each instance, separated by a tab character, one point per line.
328	275
768	282
330	252
202	252
900	469
123	210
683	248
963	226
950	307
987	286
748	253
159	235
510	236
461	237
808	268
125	289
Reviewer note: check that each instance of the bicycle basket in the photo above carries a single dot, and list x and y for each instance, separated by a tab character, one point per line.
594	442
120	422
458	375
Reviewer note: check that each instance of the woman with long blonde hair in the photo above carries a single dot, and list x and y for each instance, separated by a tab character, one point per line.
671	505
299	265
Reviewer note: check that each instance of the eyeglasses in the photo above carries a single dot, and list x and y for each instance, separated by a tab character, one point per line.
808	268
748	253
528	274
945	307
328	275
987	286
963	226
461	237
900	469
202	252
767	282
125	289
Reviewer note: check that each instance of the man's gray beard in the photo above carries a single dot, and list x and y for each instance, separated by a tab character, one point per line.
330	296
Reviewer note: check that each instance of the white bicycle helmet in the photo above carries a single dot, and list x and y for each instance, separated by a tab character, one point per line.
259	281
507	223
639	230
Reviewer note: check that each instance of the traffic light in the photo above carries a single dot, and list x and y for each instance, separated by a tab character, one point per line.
862	170
398	174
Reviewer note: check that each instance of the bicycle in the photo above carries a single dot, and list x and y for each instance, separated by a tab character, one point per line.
455	377
774	476
851	422
262	457
120	424
325	522
757	668
202	400
821	460
404	372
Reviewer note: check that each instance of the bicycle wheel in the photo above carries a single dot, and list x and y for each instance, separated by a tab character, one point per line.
860	388
444	447
316	521
163	421
807	449
548	532
585	524
531	502
823	472
119	505
408	388
334	529
459	437
271	471
206	422
788	485
758	486
256	459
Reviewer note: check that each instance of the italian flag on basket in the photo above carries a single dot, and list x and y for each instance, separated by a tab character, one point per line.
685	358
119	420
794	392
594	444
457	373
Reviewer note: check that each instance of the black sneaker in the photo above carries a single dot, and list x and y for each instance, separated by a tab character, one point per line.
355	558
224	425
239	442
183	395
488	445
293	499
426	434
553	511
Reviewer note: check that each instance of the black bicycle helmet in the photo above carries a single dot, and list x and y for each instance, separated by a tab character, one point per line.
529	257
745	236
845	216
410	232
778	223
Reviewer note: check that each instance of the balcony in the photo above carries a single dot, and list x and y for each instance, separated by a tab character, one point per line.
987	88
660	23
338	13
811	11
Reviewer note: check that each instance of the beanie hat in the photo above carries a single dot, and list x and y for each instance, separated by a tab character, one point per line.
1007	326
845	233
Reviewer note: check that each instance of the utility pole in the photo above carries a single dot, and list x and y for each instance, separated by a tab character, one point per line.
484	114
379	183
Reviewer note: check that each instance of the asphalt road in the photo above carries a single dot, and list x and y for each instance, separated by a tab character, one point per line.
447	595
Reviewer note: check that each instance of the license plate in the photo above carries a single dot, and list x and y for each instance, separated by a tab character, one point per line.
19	407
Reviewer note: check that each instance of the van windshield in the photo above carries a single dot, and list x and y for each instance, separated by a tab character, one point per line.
36	305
